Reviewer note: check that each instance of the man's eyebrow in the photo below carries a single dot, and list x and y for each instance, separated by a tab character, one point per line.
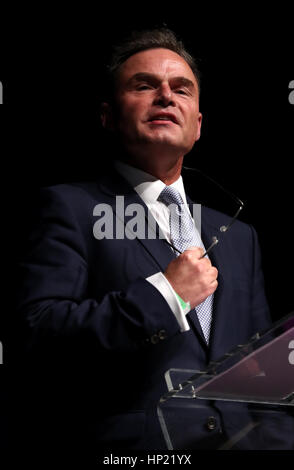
184	82
142	76
145	76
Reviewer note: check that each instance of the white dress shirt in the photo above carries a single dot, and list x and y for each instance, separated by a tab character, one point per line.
149	188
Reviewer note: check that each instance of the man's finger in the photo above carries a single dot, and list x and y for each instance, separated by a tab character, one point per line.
194	248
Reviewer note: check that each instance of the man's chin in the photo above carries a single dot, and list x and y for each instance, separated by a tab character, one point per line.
166	145
162	139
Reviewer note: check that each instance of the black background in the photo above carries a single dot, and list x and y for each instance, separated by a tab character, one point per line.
50	66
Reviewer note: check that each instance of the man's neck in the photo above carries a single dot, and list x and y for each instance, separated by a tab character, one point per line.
166	171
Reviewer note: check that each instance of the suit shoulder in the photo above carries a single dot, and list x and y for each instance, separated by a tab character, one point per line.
67	200
84	189
79	197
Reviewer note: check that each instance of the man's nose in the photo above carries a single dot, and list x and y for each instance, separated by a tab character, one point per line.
164	96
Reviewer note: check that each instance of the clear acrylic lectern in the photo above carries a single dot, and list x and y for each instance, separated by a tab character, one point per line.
246	397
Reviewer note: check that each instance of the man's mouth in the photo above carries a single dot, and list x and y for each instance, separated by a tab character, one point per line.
162	118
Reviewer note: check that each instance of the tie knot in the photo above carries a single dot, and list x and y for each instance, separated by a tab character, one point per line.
170	195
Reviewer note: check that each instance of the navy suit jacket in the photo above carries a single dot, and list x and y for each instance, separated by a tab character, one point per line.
93	320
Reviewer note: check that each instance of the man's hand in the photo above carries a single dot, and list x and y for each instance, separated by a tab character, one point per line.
192	277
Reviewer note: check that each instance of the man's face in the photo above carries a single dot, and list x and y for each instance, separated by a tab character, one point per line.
157	103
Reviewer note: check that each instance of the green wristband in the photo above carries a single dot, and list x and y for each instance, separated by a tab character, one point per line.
184	305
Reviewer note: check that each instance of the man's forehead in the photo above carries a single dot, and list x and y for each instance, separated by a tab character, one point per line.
158	61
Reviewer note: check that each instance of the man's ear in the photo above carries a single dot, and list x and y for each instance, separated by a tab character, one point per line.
106	116
198	128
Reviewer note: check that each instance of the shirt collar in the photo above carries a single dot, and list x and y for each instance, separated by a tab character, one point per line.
147	186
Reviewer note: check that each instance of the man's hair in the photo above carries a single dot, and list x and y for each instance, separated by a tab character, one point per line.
143	40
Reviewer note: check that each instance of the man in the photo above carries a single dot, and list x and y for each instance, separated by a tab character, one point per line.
109	316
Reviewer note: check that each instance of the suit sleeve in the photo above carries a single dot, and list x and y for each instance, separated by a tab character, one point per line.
53	299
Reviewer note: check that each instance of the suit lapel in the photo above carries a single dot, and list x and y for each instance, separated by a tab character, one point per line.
112	185
222	297
220	307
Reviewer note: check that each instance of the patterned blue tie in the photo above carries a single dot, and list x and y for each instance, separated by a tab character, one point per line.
184	235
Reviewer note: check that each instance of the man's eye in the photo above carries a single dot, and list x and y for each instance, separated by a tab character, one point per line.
143	87
181	91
